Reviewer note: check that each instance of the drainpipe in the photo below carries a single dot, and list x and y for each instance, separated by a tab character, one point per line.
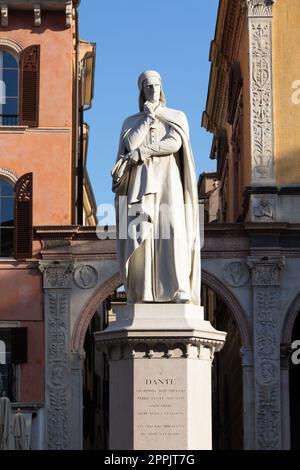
80	171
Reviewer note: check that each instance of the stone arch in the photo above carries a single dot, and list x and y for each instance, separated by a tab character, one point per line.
290	318
11	45
88	311
232	303
103	291
10	175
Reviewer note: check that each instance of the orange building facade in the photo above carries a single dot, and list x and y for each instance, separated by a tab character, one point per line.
46	83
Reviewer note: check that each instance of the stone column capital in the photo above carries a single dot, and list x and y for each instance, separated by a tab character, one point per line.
265	271
56	275
259	8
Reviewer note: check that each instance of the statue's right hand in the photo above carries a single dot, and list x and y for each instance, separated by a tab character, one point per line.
149	109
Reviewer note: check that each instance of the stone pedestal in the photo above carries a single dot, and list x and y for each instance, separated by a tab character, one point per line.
160	359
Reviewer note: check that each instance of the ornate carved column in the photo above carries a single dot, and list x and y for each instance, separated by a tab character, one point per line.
263	204
266	338
57	286
260	14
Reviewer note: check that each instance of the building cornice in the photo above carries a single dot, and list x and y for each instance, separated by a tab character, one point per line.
37	7
77	232
34	130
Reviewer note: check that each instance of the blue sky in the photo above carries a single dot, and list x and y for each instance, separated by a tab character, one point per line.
170	36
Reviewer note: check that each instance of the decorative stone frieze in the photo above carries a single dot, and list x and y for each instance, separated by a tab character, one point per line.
157	348
261	90
236	274
266	333
57	284
56	275
264	208
85	276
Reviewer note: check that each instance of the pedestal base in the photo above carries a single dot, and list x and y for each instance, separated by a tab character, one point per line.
160	359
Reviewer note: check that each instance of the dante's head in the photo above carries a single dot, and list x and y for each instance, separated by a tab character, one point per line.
150	87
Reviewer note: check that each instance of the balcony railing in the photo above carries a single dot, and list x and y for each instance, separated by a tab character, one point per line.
9	119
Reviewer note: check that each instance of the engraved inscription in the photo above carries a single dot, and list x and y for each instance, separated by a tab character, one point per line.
161	408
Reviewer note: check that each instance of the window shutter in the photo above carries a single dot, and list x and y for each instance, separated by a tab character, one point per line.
222	145
18	345
235	86
30	86
23	217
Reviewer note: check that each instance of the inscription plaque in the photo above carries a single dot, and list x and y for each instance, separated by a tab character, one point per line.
161	411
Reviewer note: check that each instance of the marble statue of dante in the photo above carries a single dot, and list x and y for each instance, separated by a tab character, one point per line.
157	202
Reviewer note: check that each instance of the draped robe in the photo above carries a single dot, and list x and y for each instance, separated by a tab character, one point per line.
157	210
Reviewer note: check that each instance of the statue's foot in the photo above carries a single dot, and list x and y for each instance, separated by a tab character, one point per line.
181	297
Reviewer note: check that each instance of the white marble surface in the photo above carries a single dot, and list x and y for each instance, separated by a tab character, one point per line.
158	223
160	358
168	319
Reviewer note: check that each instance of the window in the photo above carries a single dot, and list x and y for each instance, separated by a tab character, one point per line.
19	87
234	90
13	351
9	89
6	369
6	218
15	216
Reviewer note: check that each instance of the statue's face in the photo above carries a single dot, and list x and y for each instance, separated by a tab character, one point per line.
152	89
